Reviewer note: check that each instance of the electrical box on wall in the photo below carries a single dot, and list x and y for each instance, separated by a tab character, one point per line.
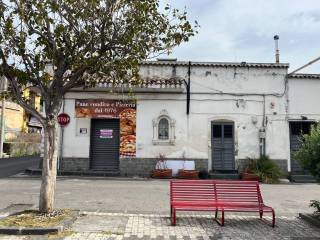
262	133
83	131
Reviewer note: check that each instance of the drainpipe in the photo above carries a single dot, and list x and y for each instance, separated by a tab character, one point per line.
262	131
188	88
187	83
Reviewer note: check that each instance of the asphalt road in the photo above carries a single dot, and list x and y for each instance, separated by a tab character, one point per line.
137	196
11	166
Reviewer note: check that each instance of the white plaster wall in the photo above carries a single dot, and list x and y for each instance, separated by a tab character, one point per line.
277	139
193	131
304	98
215	79
74	144
238	80
207	104
149	109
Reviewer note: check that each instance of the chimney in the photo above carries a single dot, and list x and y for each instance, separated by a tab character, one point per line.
276	38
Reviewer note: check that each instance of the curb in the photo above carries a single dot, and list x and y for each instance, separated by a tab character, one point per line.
66	223
29	231
310	218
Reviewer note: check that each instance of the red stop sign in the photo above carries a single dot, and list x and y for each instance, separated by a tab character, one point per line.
63	119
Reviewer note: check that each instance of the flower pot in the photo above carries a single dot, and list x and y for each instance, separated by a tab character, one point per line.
249	177
161	173
194	174
203	174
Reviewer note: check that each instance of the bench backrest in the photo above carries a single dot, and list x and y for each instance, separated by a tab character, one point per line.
231	191
192	190
239	192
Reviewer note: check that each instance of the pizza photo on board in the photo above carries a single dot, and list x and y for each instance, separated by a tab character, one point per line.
127	132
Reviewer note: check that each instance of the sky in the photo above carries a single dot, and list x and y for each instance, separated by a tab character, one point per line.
243	30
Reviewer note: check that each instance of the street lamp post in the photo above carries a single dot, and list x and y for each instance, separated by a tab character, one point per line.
2	127
3	88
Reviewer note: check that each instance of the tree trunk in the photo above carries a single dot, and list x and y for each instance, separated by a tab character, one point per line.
49	167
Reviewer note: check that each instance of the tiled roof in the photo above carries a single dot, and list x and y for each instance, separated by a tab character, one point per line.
304	75
149	82
216	64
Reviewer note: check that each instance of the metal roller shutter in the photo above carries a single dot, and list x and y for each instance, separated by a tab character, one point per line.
104	144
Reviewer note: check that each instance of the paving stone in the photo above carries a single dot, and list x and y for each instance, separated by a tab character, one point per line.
112	224
189	227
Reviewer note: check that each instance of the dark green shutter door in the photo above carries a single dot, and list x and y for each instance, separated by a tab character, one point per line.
297	129
223	146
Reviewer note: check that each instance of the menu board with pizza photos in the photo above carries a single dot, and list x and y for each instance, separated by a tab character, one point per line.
123	110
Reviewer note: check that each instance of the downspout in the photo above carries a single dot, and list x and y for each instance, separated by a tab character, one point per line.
287	118
264	144
187	83
188	88
262	131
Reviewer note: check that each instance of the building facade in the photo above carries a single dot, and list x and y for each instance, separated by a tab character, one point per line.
217	114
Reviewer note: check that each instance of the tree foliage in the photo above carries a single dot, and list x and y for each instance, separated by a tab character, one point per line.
82	39
309	153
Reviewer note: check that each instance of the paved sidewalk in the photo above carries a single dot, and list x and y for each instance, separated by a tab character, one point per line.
119	226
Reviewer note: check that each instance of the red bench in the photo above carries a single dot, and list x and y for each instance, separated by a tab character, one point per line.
240	196
217	195
191	195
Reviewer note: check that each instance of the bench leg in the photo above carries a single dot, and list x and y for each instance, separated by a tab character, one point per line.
173	217
221	223
261	214
216	214
273	219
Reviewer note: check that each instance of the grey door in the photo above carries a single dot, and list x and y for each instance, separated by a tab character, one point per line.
222	139
104	145
297	129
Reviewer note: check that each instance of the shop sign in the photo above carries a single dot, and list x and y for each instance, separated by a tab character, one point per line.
121	109
63	119
106	133
101	108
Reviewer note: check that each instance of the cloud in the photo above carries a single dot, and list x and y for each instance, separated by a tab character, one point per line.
242	30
